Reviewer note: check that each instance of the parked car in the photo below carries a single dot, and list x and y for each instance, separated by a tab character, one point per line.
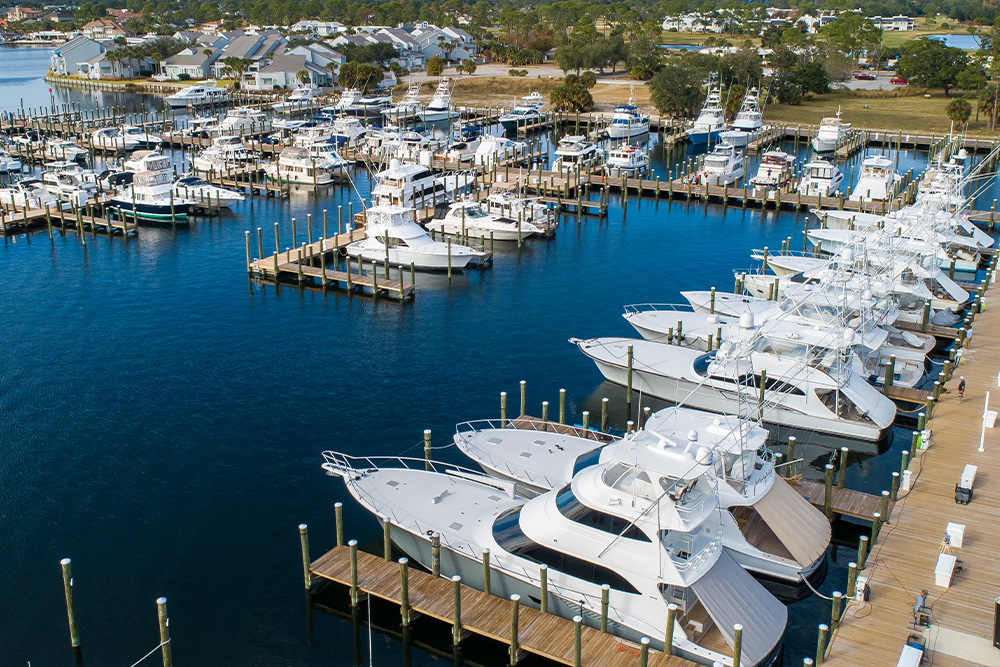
899	80
864	77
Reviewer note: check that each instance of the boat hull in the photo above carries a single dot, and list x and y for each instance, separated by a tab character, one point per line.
627	131
703	136
152	212
397	257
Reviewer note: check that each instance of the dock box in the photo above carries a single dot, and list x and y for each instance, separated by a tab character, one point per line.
956	534
963	490
910	657
944	569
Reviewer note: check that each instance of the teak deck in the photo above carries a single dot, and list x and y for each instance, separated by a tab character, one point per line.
902	562
847	502
540	634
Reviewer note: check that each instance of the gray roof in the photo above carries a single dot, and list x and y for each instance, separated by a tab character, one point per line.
241	47
399	35
291	64
197	58
74	43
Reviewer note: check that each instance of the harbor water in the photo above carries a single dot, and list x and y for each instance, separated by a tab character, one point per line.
162	418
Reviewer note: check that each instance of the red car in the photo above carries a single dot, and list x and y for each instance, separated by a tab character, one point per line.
864	77
899	80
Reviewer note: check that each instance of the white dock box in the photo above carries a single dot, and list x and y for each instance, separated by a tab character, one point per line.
944	569
910	657
956	534
969	476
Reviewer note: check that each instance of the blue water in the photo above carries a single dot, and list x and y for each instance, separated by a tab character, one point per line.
968	42
162	418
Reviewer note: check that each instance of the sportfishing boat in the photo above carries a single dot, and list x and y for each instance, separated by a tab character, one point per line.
150	197
347	131
244	120
203	127
831	133
807	383
295	165
8	163
528	111
417	146
410	185
943	184
439	108
27	193
328	154
63	149
493	150
625	160
470	220
576	155
198	95
224	154
143	138
112	139
302	97
68	182
464	143
311	135
353	102
712	119
768	528
627	121
820	178
876	180
392	233
748	121
408	107
723	166
510	205
774	170
640	535
197	189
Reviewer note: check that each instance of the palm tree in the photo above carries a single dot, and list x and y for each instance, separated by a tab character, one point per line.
303	76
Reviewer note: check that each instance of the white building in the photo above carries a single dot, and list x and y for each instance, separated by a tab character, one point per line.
65	59
894	23
318	28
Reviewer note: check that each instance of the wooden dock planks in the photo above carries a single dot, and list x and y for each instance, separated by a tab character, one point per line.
540	634
847	502
902	563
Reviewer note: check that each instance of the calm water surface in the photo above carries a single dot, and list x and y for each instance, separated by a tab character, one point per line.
162	419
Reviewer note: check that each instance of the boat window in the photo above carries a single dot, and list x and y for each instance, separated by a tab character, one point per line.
701	363
574	510
587	460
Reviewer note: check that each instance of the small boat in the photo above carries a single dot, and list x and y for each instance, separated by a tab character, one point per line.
464	143
27	193
353	102
712	118
723	166
417	146
774	170
68	182
627	121
244	120
224	154
300	98
494	150
831	133
198	95
408	107
8	163
112	139
470	220
876	180
143	137
392	233
528	111
150	197
198	190
625	160
576	155
295	165
820	177
748	121
64	149
439	108
510	205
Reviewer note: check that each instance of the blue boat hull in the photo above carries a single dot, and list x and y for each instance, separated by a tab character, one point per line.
703	137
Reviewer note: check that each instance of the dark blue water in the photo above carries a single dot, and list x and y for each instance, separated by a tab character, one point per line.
162	418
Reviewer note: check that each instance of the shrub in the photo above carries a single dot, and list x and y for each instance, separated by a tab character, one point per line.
183	76
517	72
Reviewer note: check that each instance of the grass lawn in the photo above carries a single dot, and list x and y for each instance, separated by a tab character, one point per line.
896	39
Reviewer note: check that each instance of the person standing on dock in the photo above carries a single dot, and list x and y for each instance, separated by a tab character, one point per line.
961	388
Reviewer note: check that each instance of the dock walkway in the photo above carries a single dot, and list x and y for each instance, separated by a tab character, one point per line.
902	562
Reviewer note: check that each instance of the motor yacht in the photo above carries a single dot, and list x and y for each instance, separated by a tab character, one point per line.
628	122
150	197
147	160
576	155
9	163
27	193
876	181
626	160
464	143
526	112
510	205
774	171
303	97
723	166
295	165
439	108
831	133
470	219
495	150
202	128
198	95
408	107
413	185
112	139
197	189
748	121
711	120
244	120
391	234
418	147
64	149
347	131
820	178
353	102
224	154
68	182
143	137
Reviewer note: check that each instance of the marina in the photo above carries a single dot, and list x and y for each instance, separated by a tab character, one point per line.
455	262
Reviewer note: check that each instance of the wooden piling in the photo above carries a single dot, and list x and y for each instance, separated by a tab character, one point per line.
668	638
436	554
515	647
737	644
67	574
562	406
164	620
456	625
828	493
486	571
543	587
338	513
304	542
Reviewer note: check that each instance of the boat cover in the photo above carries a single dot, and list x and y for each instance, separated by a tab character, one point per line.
800	527
732	596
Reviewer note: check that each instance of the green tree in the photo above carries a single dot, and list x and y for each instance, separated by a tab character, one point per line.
435	66
988	103
571	96
588	79
235	67
959	110
362	76
852	33
972	78
676	89
929	63
470	66
303	76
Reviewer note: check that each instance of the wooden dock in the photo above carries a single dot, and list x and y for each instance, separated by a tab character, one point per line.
902	561
544	635
845	502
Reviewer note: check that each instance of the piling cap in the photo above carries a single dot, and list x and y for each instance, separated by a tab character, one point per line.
961	377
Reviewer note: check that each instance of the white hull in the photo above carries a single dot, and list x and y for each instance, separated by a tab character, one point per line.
628	131
460	257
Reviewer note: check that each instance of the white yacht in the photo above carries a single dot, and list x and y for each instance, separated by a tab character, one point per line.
528	111
295	165
143	137
576	155
391	232
244	120
876	181
150	197
711	120
408	107
68	182
415	186
198	95
27	193
419	147
302	97
820	178
439	108
203	127
510	205
748	121
471	220
774	170
314	134
347	131
943	183
64	149
224	154
463	144
808	386
494	150
197	189
627	121
626	160
831	133
723	166
112	139
353	102
9	163
646	534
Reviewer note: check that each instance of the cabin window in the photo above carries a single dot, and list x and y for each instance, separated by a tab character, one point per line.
574	510
587	460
